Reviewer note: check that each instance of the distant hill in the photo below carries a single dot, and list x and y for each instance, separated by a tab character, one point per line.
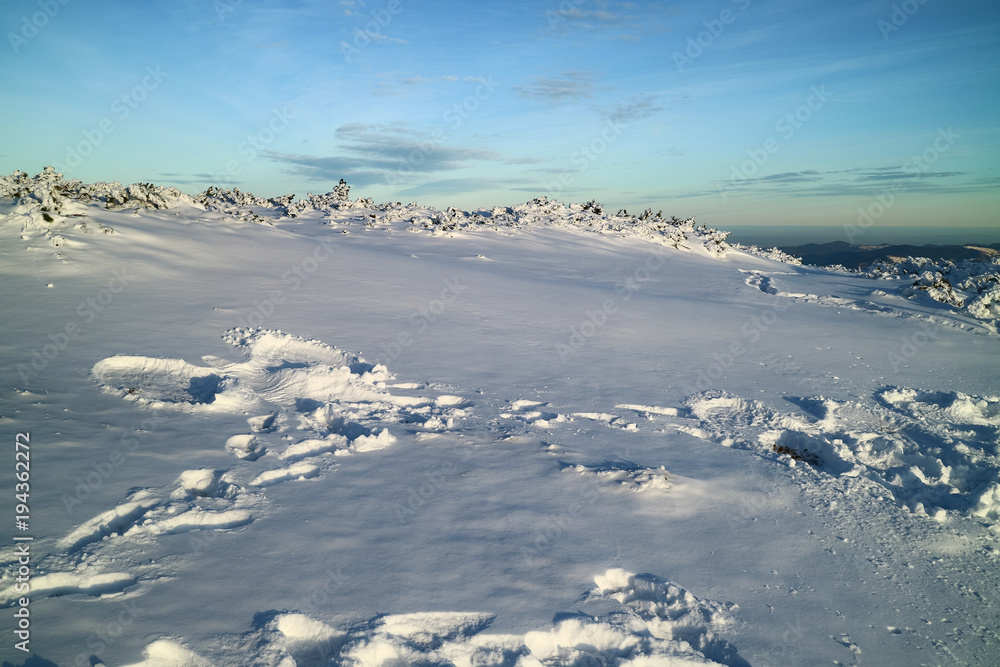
859	256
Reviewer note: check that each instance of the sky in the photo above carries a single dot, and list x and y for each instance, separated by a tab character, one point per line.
737	112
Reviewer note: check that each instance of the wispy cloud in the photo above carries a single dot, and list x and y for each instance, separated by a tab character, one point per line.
860	181
630	110
415	79
374	153
570	85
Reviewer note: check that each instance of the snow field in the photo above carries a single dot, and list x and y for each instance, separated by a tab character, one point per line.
278	500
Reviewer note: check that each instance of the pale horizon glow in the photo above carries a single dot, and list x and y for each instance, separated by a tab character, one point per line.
742	112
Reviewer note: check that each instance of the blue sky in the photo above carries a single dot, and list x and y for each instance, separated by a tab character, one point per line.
734	111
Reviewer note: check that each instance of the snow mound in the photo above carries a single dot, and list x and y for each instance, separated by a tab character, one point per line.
673	613
626	475
168	653
68	583
933	452
205	482
172	383
325	387
312	447
294	471
113	521
197	518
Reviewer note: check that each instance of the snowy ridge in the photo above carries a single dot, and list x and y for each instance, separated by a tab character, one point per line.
46	202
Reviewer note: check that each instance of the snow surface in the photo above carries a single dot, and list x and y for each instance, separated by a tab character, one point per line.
334	432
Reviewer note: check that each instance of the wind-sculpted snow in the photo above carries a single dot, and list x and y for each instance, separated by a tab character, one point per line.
652	622
976	295
935	453
336	399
